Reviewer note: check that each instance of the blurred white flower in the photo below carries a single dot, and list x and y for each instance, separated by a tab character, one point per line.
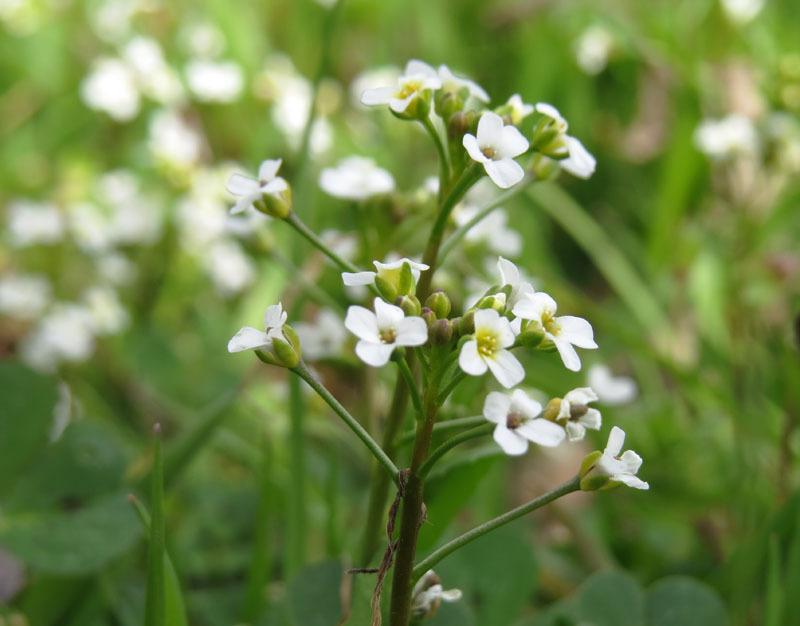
611	389
379	333
518	110
107	316
487	350
202	39
373	78
64	334
492	229
621	469
518	422
111	21
154	77
576	416
31	223
451	82
565	331
231	270
593	48
323	338
328	4
90	227
742	11
173	141
355	178
495	147
215	81
727	137
116	268
418	78
428	594
251	190
111	87
343	244
24	296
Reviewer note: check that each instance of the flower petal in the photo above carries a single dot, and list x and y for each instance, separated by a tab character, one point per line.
542	432
356	279
362	323
632	461
534	306
568	355
575	431
581	395
580	162
496	406
485	319
268	169
513	142
577	331
240	185
510	441
411	331
388	315
504	173
374	354
524	405
490	130
275	316
379	95
450	595
506	368
631	481
470	361
473	149
616	439
509	273
592	419
249	338
505	334
399	105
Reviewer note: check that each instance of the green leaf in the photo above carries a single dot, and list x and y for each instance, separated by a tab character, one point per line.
684	601
314	595
611	599
154	613
28	399
77	542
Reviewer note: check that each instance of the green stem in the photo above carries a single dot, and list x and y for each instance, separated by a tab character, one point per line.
302	371
461	422
444	166
573	484
411	383
297	500
455	381
461	231
451	443
462	185
309	287
255	602
155	596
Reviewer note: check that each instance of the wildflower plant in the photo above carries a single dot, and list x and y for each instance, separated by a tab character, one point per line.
404	318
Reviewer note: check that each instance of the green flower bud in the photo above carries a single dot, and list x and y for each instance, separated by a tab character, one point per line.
457	127
531	336
409	304
429	316
441	332
543	167
447	103
552	409
467	324
496	302
439	303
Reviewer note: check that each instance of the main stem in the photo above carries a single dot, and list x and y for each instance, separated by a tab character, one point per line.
412	513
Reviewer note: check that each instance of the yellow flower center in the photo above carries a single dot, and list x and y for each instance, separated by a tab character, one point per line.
487	343
489	152
388	335
409	87
550	323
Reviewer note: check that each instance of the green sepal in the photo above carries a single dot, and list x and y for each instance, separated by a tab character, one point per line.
386	289
409	304
467	324
294	339
406	285
439	303
285	353
594	482
266	357
531	337
277	205
588	463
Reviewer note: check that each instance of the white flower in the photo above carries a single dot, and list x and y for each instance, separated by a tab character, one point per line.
107	316
111	87
31	223
580	162
518	423
173	140
611	389
576	416
487	350
495	147
623	468
724	138
90	228
593	48
510	275
373	78
451	82
249	338
65	334
428	594
565	331
355	178
230	269
154	77
388	271
519	109
24	296
214	81
382	331
742	11
250	190
324	338
418	78
493	229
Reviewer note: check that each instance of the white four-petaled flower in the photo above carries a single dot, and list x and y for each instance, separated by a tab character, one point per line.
611	389
495	147
621	469
381	332
355	178
577	160
576	416
518	423
418	78
251	190
388	271
565	331
487	349
249	338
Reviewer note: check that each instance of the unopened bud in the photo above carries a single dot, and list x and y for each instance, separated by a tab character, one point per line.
447	104
543	167
496	302
552	410
439	303
409	304
467	324
429	316
441	332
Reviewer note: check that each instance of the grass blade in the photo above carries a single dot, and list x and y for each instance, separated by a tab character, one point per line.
154	614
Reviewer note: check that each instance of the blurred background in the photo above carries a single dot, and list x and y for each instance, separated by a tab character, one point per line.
122	277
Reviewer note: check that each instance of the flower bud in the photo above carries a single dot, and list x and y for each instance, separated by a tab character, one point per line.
447	104
496	302
441	332
409	304
467	324
277	205
457	127
429	316
439	303
552	410
549	138
531	336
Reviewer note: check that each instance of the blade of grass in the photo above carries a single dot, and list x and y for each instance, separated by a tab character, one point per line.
773	604
255	602
154	614
174	608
